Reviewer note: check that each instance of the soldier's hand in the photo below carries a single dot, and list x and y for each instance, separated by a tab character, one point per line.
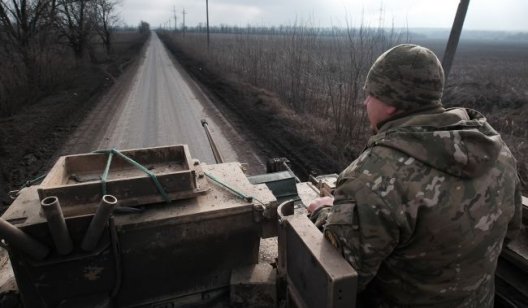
319	203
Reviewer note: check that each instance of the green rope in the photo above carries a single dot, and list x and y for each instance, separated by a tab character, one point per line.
14	193
105	173
135	164
232	190
35	180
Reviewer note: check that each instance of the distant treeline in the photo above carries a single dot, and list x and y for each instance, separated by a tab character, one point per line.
413	33
315	74
443	34
289	30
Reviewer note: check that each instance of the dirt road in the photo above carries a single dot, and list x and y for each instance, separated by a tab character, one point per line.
156	103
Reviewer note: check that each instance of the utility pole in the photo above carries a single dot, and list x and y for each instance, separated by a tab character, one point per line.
381	19
175	19
454	37
183	13
207	14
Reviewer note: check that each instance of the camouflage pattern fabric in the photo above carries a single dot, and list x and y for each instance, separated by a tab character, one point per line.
422	213
406	76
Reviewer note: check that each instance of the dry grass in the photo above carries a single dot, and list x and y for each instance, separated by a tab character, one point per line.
317	75
492	77
317	79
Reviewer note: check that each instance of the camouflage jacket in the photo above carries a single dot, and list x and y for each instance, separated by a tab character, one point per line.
423	212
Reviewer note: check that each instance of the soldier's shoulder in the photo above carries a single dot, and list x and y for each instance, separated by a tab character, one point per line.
375	160
376	170
384	173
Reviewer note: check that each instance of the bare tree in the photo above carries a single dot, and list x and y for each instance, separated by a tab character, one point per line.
76	22
106	19
144	27
22	21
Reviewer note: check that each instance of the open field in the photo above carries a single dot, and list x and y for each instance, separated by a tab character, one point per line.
302	91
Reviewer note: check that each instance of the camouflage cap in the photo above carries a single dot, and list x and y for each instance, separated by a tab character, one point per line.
407	77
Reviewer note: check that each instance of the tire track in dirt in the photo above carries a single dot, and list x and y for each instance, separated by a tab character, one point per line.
154	103
88	134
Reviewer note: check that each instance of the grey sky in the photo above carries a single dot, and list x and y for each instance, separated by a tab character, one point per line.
482	14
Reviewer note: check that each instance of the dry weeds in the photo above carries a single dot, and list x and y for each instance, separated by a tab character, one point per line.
317	79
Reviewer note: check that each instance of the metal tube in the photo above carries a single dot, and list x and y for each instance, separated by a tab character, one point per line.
19	240
57	225
217	156
291	171
98	223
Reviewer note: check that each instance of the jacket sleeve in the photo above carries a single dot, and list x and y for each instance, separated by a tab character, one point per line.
515	223
365	232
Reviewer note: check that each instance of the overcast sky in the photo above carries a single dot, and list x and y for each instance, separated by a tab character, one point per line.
482	14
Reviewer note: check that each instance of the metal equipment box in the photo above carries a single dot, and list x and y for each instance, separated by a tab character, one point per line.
282	184
166	252
76	179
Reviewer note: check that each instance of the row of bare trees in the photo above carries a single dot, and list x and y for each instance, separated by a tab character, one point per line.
24	21
36	36
319	73
316	72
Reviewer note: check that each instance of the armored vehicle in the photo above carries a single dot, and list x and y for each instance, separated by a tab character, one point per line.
154	227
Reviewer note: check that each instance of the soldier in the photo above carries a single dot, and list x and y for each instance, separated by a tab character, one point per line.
423	212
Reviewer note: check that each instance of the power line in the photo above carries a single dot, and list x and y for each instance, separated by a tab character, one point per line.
175	19
183	13
207	14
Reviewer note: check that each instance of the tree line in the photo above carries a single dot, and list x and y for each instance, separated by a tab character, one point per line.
315	72
37	35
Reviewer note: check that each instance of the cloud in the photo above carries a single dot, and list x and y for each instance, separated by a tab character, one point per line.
482	14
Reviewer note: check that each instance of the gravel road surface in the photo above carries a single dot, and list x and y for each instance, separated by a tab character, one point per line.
156	103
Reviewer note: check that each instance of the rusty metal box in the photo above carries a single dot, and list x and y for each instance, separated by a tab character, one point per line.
76	179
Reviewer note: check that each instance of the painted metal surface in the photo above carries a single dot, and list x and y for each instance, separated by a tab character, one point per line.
178	249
